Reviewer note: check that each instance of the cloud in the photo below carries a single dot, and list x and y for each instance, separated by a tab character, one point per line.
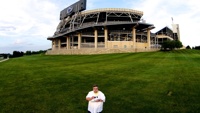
26	24
24	15
185	13
34	17
7	28
27	21
18	41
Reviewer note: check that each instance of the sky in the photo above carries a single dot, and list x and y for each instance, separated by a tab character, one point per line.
26	24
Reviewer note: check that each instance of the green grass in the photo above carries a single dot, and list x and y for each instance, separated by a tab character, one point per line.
132	82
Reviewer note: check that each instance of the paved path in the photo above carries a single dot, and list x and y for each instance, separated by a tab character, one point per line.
4	60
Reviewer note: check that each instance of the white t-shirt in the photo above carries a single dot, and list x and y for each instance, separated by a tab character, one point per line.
95	107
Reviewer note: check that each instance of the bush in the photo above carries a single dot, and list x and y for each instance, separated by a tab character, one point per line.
197	47
188	47
171	45
17	54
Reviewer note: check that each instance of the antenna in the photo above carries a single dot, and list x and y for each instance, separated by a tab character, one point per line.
172	20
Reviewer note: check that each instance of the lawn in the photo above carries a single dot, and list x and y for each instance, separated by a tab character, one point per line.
152	82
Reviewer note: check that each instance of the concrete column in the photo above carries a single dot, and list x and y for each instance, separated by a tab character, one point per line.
72	40
59	44
95	38
53	44
134	37
79	40
155	42
148	38
106	37
68	42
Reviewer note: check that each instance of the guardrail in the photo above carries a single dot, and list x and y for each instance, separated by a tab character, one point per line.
91	24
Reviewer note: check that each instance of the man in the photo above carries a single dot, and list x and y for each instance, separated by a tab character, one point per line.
96	99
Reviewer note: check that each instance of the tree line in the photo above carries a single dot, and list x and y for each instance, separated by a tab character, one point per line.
20	53
196	47
4	55
35	52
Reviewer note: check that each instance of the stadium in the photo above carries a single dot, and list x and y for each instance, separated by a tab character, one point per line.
107	30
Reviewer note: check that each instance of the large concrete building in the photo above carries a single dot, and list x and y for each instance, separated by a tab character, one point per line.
166	33
108	30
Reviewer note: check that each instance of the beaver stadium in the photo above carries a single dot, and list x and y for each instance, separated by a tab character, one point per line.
107	30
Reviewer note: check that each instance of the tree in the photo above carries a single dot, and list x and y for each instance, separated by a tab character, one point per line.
5	55
171	45
197	47
17	54
165	45
188	47
178	44
28	52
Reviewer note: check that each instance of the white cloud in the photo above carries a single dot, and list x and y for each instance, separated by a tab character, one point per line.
18	41
24	15
26	24
23	21
184	12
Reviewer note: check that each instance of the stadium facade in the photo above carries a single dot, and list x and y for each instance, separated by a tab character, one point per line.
108	30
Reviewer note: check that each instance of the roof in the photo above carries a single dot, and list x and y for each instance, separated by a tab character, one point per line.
164	30
113	10
138	25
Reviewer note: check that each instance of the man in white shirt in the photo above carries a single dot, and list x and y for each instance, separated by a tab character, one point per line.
96	99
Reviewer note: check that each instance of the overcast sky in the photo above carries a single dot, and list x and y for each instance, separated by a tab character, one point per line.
26	24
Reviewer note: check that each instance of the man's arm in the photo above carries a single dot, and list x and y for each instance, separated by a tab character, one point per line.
99	100
89	98
103	98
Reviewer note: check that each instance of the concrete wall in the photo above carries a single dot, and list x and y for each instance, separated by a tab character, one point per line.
141	45
112	47
120	44
97	51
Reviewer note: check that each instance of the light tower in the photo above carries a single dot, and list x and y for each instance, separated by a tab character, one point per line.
176	31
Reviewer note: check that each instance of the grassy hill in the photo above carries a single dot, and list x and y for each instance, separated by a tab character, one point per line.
155	82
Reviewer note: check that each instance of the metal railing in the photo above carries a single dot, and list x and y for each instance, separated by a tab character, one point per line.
90	24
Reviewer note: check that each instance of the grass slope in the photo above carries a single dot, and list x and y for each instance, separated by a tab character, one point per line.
156	82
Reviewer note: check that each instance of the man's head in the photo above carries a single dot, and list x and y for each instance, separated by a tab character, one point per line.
95	88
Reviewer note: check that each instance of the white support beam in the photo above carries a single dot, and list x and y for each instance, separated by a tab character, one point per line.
106	36
95	37
97	18
134	37
68	42
79	40
148	38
